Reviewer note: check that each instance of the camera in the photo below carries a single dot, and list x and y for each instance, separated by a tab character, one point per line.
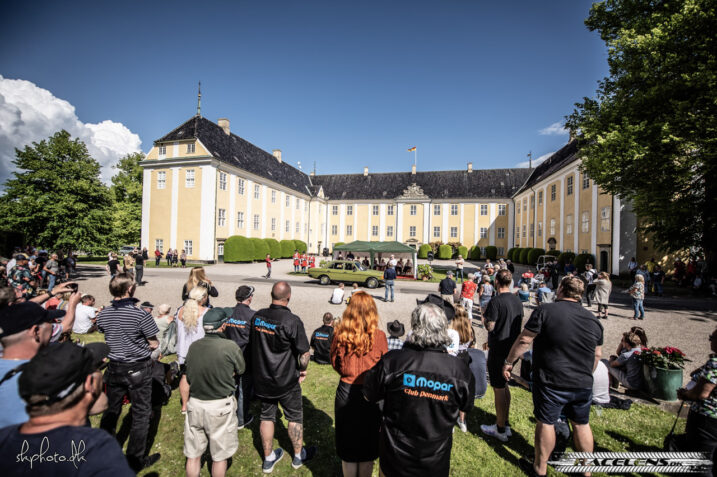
73	287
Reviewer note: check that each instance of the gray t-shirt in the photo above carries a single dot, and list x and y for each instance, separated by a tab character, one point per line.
53	266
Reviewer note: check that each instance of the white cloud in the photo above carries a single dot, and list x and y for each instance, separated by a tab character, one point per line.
29	113
555	129
536	162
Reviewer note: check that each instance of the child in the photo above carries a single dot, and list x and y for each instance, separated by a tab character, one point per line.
637	292
321	340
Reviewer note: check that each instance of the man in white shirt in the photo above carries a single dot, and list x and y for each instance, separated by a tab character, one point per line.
337	297
85	316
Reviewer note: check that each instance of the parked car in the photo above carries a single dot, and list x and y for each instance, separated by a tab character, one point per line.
544	260
346	271
124	250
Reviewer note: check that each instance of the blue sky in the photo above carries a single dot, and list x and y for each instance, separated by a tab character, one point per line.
345	84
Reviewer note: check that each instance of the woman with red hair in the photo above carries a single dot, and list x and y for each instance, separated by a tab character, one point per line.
357	346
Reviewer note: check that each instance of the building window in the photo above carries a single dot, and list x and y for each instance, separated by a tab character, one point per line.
288	201
552	192
454	232
517	233
525	205
413	210
298	228
159	244
162	150
334	230
389	210
273	197
306	227
569	250
412	231
161	179
220	249
586	181
349	230
501	232
436	231
484	209
256	222
374	210
298	203
273	224
484	232
454	209
190	150
257	192
222	217
501	251
570	185
540	229
240	186
240	220
540	198
569	224
189	178
532	202
517	207
482	251
287	226
189	247
532	230
306	206
585	222
389	231
501	209
349	210
334	210
524	231
605	219
436	209
552	226
223	181
374	230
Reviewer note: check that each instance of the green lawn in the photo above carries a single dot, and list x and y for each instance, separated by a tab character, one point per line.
643	428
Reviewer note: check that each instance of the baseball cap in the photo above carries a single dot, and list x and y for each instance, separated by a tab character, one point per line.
20	256
21	317
215	317
146	304
57	370
244	292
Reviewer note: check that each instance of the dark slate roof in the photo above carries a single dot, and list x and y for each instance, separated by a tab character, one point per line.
238	152
481	183
559	159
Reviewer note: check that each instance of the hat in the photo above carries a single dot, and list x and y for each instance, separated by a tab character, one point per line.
244	292
20	256
146	304
57	370
437	300
21	317
215	317
396	329
449	273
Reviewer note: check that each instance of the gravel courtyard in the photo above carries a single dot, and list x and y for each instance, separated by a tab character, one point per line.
669	321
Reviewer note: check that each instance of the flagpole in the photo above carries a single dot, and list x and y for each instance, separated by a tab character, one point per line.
415	157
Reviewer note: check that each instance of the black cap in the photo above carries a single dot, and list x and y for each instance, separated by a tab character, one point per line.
396	329
20	256
445	305
57	370
147	304
21	317
244	292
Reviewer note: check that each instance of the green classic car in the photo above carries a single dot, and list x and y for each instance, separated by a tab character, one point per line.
346	271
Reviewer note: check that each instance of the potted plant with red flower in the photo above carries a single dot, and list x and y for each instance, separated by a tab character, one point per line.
662	371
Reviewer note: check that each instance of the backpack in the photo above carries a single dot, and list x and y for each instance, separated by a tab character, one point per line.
169	343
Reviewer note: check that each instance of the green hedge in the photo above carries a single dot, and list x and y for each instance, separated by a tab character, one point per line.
554	253
491	252
509	255
516	254
287	248
474	252
423	250
582	259
534	254
337	244
274	247
524	252
565	257
300	245
445	252
238	248
261	248
463	251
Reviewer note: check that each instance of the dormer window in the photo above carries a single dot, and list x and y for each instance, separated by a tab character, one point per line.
190	148
162	150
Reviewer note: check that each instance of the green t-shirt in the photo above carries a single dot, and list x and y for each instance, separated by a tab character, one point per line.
211	365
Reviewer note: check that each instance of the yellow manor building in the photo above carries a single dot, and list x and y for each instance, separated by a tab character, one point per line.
203	184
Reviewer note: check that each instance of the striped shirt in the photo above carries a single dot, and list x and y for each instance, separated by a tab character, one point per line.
127	329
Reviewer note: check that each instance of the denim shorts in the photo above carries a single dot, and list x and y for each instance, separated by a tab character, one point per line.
549	403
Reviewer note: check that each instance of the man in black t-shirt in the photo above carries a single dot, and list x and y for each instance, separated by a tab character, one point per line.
567	344
447	287
321	340
237	330
279	357
139	260
113	265
503	319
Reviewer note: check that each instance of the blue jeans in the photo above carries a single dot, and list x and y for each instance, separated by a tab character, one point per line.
639	309
459	273
51	281
389	286
658	288
243	393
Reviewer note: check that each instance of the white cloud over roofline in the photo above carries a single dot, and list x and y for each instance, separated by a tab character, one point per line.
536	162
555	129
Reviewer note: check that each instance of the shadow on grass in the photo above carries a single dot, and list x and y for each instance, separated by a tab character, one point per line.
630	445
517	442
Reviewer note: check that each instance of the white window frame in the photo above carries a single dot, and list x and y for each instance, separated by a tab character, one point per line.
349	230
412	231
374	210
483	232
553	190
334	210
256	222
484	210
501	251
413	210
454	232
161	150
586	181
220	248
257	191
159	244
569	224
288	201
374	230
605	219
501	232
240	186
189	247
532	230
191	149
334	230
501	209
273	224
298	228
436	209
552	227
273	197
569	183
436	231
240	220
223	181
189	178
389	209
221	217
161	179
454	209
389	231
585	222
349	210
540	229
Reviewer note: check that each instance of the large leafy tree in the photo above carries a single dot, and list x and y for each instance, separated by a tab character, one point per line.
650	134
126	192
56	198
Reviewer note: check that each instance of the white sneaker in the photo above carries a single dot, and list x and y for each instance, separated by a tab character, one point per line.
492	430
508	432
462	426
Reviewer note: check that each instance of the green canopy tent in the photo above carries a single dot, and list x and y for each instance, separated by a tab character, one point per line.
373	248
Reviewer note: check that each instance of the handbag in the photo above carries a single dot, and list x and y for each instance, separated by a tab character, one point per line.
672	442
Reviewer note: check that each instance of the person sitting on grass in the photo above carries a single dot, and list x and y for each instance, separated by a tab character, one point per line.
524	293
541	292
625	368
337	296
321	340
85	321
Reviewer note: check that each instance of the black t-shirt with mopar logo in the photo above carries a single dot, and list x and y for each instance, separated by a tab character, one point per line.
238	326
277	340
321	342
423	391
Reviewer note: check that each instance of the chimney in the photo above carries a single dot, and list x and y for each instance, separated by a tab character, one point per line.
224	124
365	171
277	154
312	173
470	167
413	170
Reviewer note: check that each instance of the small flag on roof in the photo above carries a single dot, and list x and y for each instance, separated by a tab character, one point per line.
412	149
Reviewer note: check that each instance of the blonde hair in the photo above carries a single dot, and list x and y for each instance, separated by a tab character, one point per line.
164	309
190	315
639	278
462	325
197	276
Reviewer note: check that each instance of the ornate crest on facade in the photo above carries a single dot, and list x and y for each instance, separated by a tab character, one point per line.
413	192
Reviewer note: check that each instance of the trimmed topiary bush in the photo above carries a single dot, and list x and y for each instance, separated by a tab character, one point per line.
491	252
423	250
582	259
554	253
445	252
516	254
509	255
238	248
474	252
564	258
261	248
534	254
287	248
274	247
300	245
463	251
524	252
